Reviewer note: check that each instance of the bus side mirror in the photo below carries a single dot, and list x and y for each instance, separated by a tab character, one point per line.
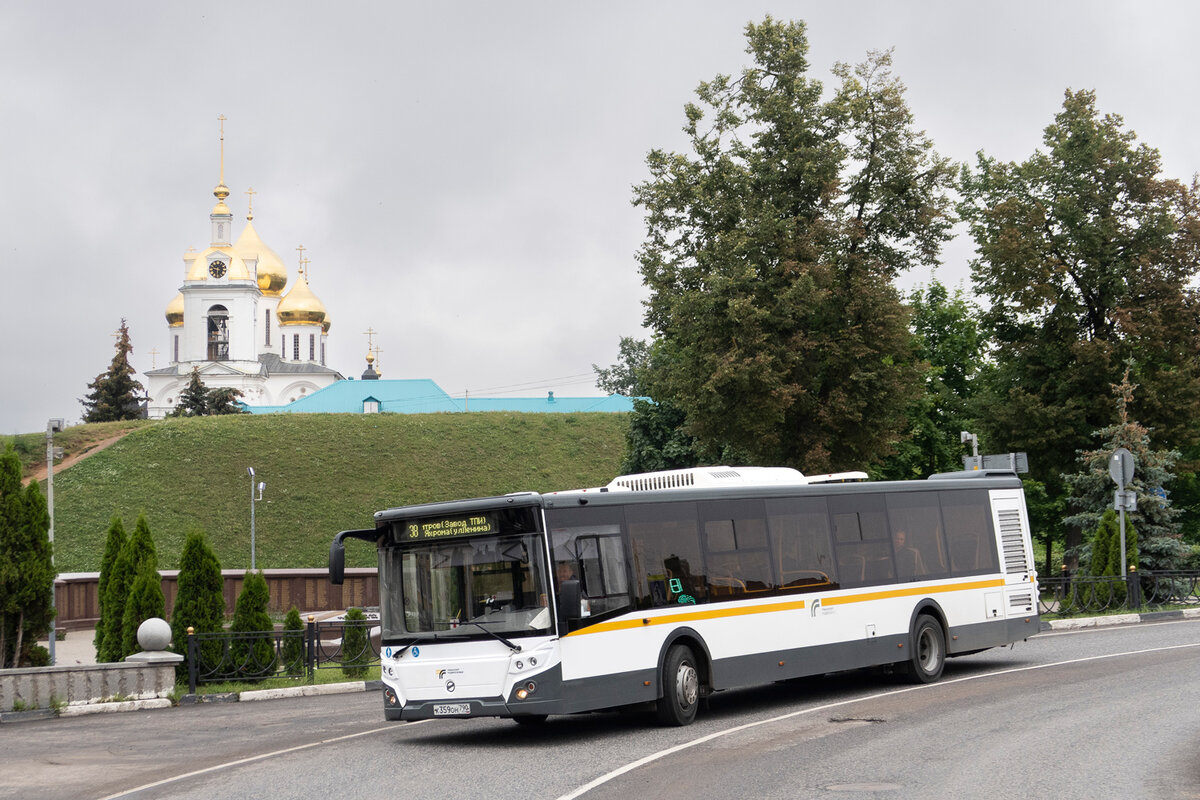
569	595
337	562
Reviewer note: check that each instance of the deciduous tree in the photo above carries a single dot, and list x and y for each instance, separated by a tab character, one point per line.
770	253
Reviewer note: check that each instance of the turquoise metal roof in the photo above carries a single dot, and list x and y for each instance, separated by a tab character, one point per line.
423	396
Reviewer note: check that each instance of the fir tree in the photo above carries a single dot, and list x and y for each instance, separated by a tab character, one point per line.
115	395
1092	489
199	600
112	549
252	648
193	400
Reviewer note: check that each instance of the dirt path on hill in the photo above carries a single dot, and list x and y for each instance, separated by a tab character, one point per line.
39	474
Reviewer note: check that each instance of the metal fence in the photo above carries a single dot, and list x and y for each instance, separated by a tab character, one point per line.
1140	591
352	646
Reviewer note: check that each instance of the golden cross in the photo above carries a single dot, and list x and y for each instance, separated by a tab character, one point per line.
154	358
370	333
250	202
378	350
301	249
304	262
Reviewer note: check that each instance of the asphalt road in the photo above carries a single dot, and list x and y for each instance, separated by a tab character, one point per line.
1095	713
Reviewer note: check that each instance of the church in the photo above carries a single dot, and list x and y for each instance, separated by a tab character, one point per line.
234	321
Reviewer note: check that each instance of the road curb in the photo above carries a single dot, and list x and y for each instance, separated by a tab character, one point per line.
1118	619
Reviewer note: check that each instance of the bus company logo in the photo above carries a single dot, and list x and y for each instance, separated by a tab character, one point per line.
814	608
441	673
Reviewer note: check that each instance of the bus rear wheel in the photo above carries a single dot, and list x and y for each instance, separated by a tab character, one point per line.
680	687
928	651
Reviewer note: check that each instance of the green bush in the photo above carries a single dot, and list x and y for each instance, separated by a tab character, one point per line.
356	646
199	602
113	544
293	643
136	555
145	602
252	649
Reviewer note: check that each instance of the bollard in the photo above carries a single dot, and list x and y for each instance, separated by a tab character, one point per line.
191	651
1134	588
311	649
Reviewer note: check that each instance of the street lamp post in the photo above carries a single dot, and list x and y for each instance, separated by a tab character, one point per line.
253	500
52	427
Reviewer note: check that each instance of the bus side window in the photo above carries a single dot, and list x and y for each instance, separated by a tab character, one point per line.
668	567
860	531
586	545
736	549
969	531
801	546
916	526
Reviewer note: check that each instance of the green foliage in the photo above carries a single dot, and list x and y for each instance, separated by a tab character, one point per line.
26	569
624	377
770	253
199	600
145	601
948	340
356	648
136	556
293	643
115	395
1088	257
252	649
1091	490
324	473
198	401
114	541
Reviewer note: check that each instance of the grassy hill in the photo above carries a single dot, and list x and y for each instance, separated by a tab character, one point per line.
324	473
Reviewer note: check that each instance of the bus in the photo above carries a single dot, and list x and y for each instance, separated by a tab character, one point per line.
659	589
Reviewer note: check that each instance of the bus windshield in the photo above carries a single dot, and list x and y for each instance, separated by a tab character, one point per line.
433	589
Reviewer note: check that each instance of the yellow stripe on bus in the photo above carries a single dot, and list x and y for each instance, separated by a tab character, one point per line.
795	605
689	616
910	591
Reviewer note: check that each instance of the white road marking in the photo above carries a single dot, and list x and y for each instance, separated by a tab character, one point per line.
252	759
616	773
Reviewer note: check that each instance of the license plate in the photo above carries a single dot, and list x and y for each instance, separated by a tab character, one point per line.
452	710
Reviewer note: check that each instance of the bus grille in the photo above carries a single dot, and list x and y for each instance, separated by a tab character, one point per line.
1010	539
669	480
1023	600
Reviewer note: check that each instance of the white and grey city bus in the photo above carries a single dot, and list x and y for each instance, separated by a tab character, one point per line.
660	589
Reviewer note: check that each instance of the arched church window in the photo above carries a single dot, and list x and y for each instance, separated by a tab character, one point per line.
218	333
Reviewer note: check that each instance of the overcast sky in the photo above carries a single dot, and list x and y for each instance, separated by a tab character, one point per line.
459	173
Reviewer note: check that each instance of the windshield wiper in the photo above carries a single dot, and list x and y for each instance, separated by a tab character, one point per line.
516	648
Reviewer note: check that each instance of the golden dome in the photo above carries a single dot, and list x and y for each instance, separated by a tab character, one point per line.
300	306
175	311
235	268
272	275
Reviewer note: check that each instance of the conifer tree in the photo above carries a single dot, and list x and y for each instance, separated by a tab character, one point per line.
252	648
200	598
193	400
293	642
12	512
133	558
112	549
356	648
1092	488
145	601
115	395
35	593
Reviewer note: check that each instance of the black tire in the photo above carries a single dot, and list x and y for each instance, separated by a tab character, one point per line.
927	651
530	719
680	687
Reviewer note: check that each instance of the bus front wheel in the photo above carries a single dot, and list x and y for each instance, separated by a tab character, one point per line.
680	687
928	654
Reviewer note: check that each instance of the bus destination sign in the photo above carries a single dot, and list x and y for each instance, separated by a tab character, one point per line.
448	527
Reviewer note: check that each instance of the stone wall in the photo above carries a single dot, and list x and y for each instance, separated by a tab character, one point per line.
44	687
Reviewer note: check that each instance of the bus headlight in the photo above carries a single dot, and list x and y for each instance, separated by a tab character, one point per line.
526	690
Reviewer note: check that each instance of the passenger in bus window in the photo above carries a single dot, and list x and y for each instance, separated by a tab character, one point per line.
908	559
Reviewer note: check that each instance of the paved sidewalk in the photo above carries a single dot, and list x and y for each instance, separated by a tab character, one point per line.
76	649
